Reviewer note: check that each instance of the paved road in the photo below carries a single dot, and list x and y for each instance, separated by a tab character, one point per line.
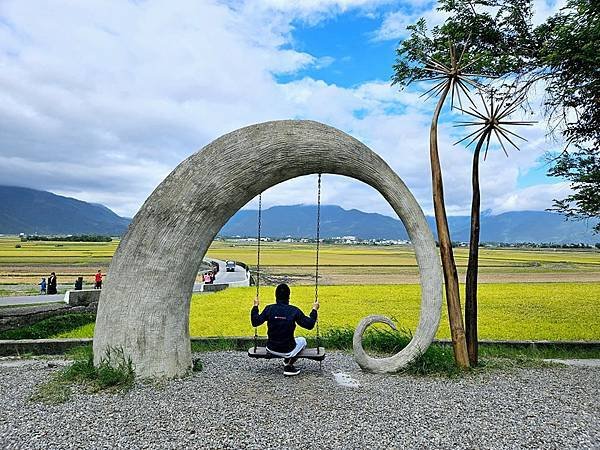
223	277
238	276
31	300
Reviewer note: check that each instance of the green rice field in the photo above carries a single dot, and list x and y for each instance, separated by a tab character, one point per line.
517	311
533	294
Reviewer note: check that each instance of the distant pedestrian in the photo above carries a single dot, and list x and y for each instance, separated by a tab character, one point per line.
79	284
52	284
207	278
42	285
98	280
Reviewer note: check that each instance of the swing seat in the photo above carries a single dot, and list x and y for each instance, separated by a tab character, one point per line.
308	353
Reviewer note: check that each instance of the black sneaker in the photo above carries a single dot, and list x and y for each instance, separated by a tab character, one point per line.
290	371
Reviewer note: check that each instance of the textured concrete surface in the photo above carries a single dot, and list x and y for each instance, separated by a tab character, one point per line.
144	306
83	297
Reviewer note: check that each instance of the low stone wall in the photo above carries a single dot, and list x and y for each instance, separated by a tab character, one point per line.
82	298
240	343
214	287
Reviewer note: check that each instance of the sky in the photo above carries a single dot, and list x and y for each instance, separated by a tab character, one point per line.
101	100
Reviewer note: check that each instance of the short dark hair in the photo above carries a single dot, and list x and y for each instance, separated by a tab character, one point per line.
282	292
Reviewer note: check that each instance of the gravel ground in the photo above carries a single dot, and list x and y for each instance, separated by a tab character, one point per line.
236	402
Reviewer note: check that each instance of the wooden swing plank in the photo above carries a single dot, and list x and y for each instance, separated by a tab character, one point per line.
308	353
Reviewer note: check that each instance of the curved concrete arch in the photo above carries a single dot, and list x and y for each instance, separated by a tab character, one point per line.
144	306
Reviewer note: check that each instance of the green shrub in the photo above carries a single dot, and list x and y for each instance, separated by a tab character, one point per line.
49	327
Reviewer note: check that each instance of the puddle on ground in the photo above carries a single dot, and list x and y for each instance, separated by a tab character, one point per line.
345	380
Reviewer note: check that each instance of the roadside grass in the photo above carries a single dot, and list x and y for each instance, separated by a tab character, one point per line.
115	373
507	311
50	327
18	292
218	344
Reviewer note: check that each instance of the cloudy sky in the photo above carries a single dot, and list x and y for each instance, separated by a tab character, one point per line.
100	100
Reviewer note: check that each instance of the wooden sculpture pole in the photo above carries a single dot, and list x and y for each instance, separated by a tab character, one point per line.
457	330
472	268
490	117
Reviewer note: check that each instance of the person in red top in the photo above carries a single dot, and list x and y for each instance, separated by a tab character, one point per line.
98	279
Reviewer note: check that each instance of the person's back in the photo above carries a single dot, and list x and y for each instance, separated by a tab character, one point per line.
282	319
52	284
42	285
98	280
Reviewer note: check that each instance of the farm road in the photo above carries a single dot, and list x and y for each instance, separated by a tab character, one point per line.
224	277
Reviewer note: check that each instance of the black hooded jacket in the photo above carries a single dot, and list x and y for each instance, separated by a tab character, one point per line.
281	321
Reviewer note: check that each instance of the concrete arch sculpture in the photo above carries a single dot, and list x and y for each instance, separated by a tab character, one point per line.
144	306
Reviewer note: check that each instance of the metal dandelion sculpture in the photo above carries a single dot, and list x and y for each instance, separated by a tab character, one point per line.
494	121
451	78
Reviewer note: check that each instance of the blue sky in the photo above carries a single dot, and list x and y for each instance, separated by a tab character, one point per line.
348	40
101	100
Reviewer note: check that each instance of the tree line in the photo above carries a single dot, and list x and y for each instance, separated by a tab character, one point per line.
75	238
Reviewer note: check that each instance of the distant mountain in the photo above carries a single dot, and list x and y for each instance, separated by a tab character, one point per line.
300	220
29	211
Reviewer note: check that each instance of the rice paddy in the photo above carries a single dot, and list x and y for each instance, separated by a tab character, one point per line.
524	293
517	311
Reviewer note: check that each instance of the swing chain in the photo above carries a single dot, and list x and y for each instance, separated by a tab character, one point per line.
317	257
258	262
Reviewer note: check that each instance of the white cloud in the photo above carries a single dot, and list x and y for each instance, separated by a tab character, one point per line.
538	197
542	9
394	24
102	102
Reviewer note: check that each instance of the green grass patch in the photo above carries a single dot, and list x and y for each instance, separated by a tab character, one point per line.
18	292
115	373
218	344
50	327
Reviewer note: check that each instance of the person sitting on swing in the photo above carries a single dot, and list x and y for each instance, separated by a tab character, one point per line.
281	319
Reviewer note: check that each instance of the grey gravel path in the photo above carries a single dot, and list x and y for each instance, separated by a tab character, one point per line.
240	403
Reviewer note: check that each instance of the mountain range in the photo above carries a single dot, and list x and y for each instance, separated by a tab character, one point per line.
29	211
509	227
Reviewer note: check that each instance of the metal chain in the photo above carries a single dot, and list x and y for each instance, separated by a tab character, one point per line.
258	244
317	256
258	262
